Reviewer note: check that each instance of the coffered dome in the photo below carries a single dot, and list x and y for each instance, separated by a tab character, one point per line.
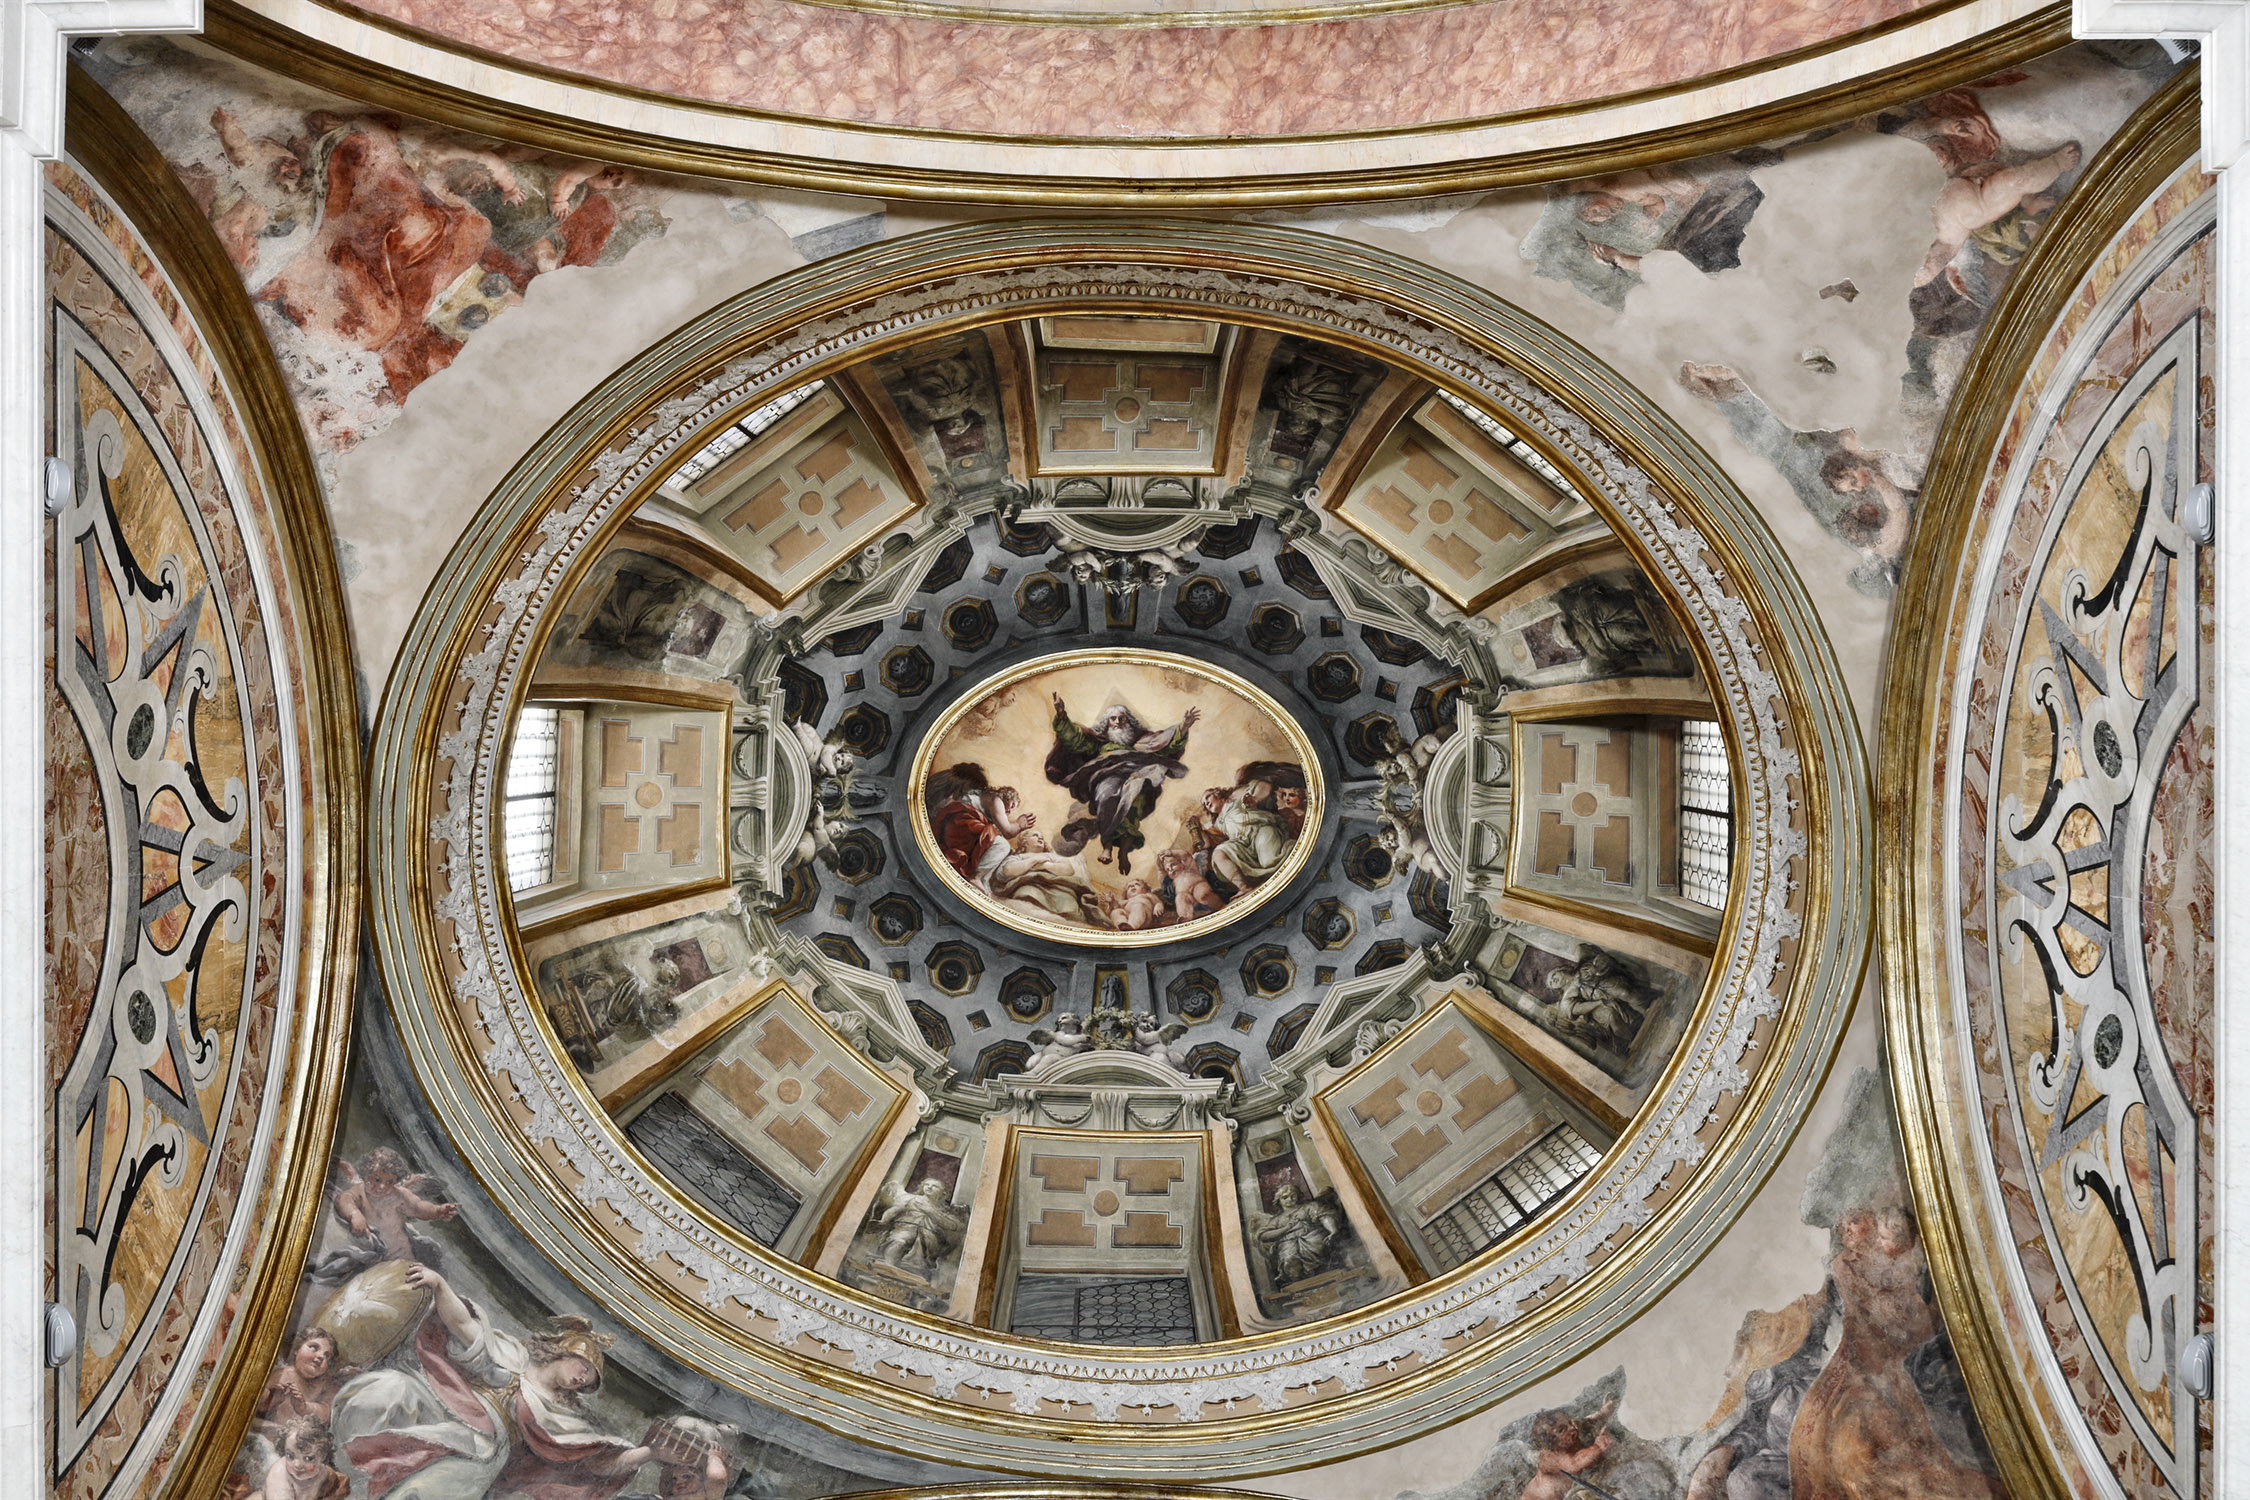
1107	807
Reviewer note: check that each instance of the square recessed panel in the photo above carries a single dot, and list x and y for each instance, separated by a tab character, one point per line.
1433	1116
1110	410
803	497
1102	1205
783	1089
649	798
1452	505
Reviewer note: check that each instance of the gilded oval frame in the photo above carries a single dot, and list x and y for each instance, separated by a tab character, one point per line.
1781	985
1299	855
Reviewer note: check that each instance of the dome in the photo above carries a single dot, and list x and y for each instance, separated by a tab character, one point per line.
1526	806
1065	815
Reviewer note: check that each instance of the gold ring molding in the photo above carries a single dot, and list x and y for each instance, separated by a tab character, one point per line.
391	67
1966	1268
127	166
1781	984
1170	661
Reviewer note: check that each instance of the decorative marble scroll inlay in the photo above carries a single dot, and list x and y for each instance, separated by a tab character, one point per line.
2106	674
175	887
2067	1011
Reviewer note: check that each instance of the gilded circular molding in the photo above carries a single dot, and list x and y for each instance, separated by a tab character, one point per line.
1782	979
379	62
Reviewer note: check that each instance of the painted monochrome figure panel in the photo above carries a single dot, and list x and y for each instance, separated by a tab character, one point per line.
1046	818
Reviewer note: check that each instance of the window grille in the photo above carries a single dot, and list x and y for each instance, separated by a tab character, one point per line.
1706	814
1516	1192
699	1157
1150	1311
529	799
739	434
1530	457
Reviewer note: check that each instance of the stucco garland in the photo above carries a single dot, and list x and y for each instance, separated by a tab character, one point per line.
1749	986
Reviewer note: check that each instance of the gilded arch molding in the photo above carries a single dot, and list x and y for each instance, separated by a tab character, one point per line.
1782	982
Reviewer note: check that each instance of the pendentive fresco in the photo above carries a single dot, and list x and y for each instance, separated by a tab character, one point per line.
1850	1392
433	1355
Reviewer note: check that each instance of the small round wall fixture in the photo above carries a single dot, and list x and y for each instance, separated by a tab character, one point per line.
1148	851
1163	758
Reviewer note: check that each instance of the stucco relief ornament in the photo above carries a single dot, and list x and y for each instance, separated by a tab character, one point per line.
1196	1385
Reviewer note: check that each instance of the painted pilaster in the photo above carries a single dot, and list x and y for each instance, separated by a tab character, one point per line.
2222	29
33	34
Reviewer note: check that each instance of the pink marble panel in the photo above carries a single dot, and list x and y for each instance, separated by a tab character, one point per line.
1367	73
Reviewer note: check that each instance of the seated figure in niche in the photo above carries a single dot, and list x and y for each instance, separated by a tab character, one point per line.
918	1228
1599	1002
1298	1236
604	997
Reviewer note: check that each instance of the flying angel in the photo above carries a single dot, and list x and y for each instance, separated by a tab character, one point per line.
375	1203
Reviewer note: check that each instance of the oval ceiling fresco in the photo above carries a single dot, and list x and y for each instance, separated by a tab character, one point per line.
1211	851
1052	844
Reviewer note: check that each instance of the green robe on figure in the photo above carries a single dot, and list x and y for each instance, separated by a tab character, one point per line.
1117	781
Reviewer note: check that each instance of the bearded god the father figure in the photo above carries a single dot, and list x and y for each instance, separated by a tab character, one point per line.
1115	769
